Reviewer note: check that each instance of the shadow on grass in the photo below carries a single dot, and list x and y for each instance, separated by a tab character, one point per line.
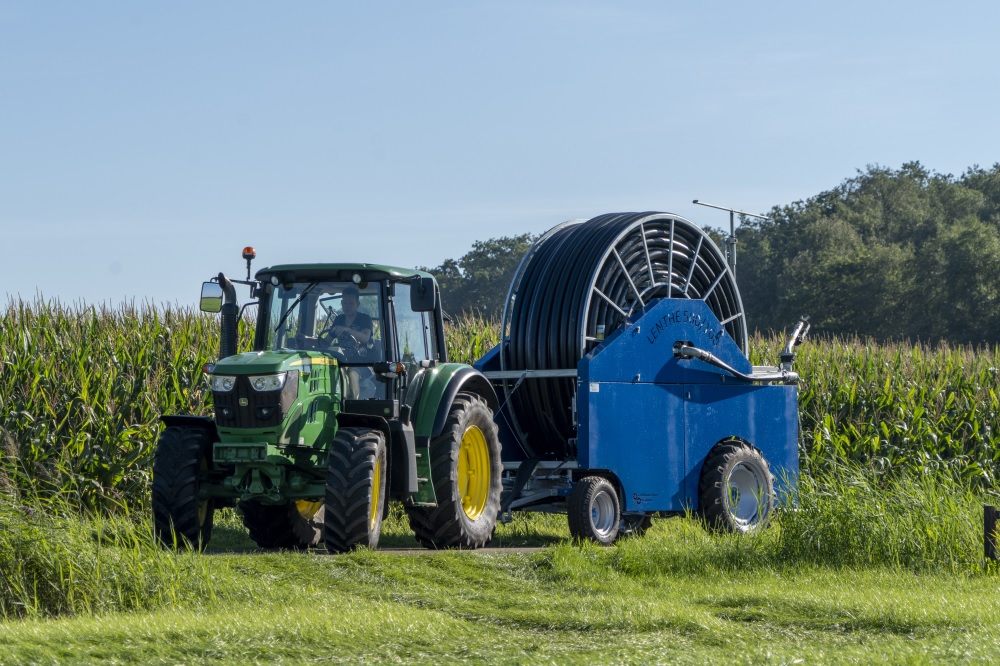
525	531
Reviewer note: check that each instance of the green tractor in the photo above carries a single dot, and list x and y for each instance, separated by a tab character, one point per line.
346	402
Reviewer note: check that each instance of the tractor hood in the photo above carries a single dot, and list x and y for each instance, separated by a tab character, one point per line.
258	363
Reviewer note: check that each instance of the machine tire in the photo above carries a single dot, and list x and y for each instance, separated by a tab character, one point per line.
634	524
466	451
736	488
355	489
180	519
293	525
593	511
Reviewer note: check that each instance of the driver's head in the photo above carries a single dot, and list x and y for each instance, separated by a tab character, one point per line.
350	298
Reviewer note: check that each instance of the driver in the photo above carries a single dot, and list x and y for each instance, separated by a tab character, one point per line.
356	326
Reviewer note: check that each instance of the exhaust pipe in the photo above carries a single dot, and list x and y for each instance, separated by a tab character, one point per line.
230	318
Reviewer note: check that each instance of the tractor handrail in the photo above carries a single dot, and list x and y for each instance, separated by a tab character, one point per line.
529	374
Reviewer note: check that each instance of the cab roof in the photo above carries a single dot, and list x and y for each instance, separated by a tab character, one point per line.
338	272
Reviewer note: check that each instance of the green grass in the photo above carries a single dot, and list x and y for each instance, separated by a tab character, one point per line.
860	568
566	604
59	564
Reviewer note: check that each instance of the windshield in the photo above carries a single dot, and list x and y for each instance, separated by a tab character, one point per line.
337	317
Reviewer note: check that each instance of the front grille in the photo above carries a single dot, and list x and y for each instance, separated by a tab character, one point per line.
244	407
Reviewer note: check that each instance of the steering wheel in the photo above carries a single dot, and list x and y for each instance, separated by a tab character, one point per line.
328	339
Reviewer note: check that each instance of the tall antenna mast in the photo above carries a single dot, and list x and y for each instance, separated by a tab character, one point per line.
731	238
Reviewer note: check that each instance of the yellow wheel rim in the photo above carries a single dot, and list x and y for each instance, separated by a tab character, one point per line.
376	484
307	509
474	472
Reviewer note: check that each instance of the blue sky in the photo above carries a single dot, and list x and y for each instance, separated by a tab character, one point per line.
142	145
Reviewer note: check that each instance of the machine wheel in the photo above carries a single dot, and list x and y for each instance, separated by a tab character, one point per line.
736	489
594	510
355	489
296	524
466	469
634	524
180	519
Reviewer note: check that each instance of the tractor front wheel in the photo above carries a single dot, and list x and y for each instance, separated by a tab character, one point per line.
594	511
180	518
466	469
295	525
355	489
736	489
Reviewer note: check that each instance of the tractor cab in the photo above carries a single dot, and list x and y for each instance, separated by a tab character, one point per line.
377	322
336	318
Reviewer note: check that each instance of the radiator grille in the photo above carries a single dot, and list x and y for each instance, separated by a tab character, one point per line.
244	407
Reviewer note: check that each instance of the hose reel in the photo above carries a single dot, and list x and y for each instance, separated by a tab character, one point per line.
584	277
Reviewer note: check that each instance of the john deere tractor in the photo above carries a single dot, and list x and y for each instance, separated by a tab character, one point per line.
346	401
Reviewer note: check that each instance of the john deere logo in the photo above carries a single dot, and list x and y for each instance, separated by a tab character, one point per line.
244	402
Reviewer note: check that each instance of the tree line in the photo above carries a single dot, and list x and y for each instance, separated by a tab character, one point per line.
895	254
892	254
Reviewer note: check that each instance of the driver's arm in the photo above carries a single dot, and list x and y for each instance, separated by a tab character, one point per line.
364	335
361	336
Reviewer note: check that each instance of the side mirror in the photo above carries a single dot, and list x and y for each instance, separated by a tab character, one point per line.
211	297
423	295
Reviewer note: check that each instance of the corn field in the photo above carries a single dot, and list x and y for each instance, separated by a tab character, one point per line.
81	391
897	406
82	388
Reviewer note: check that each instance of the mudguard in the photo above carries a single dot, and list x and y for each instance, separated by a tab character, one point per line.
440	387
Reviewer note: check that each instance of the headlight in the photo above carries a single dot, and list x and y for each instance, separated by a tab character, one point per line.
267	382
223	383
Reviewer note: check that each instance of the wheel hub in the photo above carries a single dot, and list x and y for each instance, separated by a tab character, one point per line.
602	514
745	494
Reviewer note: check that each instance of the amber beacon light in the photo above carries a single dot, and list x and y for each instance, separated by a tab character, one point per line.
249	254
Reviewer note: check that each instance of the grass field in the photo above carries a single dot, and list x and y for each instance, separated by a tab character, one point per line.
675	595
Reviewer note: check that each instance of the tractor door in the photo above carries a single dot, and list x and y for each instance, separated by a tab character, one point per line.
416	340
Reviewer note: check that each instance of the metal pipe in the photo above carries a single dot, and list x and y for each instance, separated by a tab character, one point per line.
688	352
731	239
797	336
230	318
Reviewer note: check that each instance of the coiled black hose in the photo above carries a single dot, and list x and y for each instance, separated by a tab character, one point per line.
584	274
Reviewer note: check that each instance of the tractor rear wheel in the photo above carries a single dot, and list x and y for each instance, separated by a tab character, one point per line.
297	524
180	518
736	488
355	489
466	469
594	511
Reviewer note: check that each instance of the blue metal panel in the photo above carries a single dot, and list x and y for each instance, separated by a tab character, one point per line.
636	431
650	418
764	416
642	349
654	437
